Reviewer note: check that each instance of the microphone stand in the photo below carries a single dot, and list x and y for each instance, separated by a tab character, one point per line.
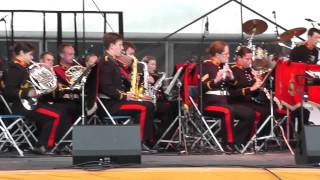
275	20
204	34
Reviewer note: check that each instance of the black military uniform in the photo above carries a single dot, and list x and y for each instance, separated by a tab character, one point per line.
303	53
309	55
69	99
217	104
112	87
51	118
241	94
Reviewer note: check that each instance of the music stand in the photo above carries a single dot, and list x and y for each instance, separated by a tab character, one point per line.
174	79
175	82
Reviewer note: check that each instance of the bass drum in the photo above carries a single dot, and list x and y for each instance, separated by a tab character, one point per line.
314	113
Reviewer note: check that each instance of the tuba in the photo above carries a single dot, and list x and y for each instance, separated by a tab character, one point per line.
42	79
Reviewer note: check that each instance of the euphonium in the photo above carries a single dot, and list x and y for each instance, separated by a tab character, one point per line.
42	79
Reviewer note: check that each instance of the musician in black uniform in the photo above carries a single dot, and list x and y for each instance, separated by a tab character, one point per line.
47	58
51	118
70	99
217	80
114	87
166	110
247	85
307	51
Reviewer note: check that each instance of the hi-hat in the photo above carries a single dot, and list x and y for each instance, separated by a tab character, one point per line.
254	26
295	32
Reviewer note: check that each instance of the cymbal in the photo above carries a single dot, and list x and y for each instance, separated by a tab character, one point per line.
254	26
286	36
260	64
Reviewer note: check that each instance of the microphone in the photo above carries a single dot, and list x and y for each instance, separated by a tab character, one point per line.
206	28
3	18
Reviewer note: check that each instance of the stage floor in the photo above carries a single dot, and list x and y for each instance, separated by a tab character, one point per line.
270	159
262	166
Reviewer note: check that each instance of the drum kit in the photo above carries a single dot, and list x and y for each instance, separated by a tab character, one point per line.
262	60
265	62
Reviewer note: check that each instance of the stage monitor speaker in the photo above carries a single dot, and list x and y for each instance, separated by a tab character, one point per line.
114	144
307	151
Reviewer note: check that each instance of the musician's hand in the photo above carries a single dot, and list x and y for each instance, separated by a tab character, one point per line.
219	75
256	85
32	93
147	98
151	80
229	73
131	97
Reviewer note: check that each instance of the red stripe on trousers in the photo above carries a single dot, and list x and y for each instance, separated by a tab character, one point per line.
56	121
228	123
143	114
255	123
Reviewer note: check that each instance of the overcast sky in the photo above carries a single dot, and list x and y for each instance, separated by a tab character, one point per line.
165	16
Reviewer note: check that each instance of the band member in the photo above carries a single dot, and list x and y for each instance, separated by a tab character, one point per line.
50	117
70	98
166	110
307	51
217	80
247	85
47	58
114	87
129	48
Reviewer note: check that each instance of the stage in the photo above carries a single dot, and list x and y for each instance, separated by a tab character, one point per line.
162	166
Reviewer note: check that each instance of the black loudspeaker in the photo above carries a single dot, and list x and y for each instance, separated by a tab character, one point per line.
307	150
114	144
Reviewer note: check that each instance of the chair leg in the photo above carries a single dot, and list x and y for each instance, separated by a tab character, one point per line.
24	134
10	138
65	135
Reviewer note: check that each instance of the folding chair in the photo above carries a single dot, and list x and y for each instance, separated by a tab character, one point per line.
115	120
15	130
207	124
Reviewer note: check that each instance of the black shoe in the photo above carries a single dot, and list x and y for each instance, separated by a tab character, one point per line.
65	150
230	149
40	150
237	148
146	149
